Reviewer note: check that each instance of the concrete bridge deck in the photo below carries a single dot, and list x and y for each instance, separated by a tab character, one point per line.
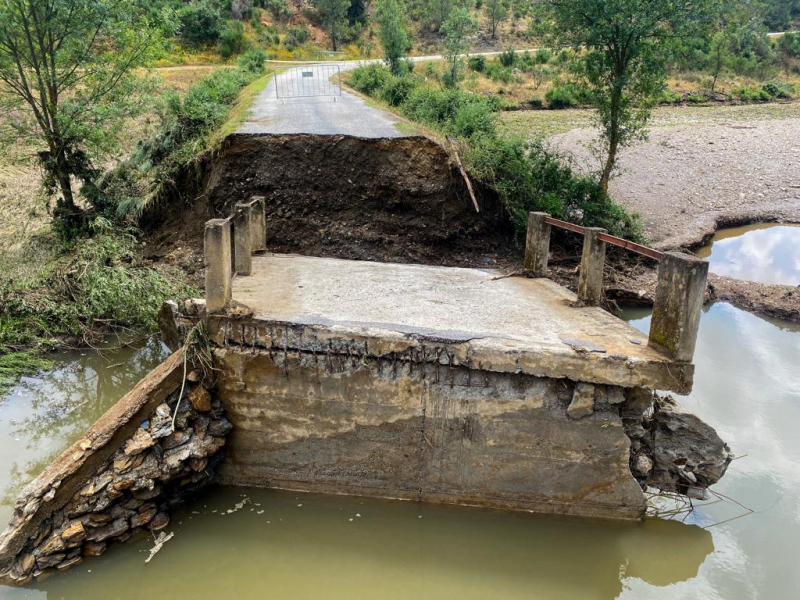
505	324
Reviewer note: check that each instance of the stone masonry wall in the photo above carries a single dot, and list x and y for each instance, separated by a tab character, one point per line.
121	478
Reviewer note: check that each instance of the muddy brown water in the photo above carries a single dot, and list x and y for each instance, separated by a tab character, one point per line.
259	543
763	252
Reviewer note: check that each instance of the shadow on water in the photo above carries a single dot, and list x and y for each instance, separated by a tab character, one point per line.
322	549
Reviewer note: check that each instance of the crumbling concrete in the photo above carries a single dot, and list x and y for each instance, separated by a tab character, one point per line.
122	477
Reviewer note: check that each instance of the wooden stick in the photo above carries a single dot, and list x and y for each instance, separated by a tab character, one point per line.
464	175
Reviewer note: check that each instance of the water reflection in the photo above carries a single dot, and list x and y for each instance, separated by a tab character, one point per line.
47	412
765	252
287	545
747	385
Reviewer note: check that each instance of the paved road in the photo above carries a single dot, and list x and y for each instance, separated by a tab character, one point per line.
302	100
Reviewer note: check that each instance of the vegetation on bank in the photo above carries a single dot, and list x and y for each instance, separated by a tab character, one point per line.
526	175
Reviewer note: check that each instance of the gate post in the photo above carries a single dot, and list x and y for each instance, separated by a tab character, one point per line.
242	240
679	299
593	260
537	244
217	259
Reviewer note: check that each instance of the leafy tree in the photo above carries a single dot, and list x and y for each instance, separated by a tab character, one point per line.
392	33
334	17
457	28
496	11
279	10
437	11
200	23
240	9
619	49
357	12
67	73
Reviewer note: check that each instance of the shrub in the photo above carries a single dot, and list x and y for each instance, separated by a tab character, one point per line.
543	56
499	73
396	89
477	63
669	97
471	119
232	40
751	94
370	79
508	58
779	89
200	23
696	98
279	9
560	97
253	61
296	36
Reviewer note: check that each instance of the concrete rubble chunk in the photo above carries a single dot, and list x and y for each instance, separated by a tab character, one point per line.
582	404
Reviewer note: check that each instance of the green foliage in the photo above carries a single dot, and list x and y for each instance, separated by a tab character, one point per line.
370	79
253	61
780	90
526	176
97	283
200	23
477	64
392	33
458	26
396	89
279	9
295	37
560	97
232	41
619	52
508	58
543	56
69	82
496	11
333	14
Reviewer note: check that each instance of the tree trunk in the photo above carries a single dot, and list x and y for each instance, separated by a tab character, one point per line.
613	137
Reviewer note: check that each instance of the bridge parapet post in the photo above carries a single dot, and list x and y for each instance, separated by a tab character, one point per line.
679	299
258	224
243	239
593	260
217	259
537	244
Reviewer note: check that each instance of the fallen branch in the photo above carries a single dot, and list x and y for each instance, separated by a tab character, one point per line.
464	174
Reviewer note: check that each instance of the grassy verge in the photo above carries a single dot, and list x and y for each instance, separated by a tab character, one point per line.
524	173
54	293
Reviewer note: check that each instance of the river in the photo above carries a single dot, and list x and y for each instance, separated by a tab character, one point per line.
261	543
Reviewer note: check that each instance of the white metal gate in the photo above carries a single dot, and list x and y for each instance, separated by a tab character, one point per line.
309	81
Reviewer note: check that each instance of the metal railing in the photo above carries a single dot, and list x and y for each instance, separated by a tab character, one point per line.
680	287
309	81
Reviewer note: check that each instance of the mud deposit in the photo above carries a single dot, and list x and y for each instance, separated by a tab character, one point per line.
391	200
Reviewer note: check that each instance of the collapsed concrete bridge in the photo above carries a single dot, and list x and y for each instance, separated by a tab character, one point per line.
413	382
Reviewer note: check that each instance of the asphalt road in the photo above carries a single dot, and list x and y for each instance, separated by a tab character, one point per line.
302	99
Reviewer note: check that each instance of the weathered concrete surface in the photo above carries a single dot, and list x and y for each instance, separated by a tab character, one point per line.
593	260
120	478
381	427
477	317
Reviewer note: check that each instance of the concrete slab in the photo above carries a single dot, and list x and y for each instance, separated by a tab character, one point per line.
479	317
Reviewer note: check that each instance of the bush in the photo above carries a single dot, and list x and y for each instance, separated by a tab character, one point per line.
200	23
508	58
751	94
395	90
253	61
370	79
543	56
696	98
560	97
279	9
497	72
296	36
477	63
779	89
232	40
472	119
669	97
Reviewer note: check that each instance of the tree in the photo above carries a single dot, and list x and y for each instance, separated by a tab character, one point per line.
619	45
334	17
496	11
240	9
200	23
232	40
437	11
458	26
392	33
67	72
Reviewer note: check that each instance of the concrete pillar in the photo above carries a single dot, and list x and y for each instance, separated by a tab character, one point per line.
537	244
593	260
258	225
217	259
679	300
242	240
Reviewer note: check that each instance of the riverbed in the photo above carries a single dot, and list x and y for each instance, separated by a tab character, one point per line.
259	543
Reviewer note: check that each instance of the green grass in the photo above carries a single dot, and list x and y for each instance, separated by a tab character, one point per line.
239	111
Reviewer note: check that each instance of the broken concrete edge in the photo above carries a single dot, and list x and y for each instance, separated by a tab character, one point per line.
491	354
64	482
